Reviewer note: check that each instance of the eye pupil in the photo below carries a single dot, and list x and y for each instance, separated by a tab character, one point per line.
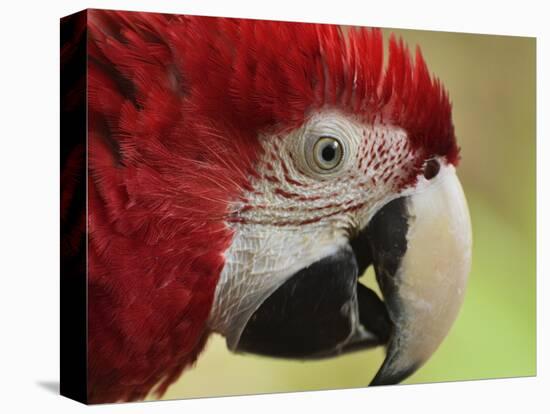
329	152
431	169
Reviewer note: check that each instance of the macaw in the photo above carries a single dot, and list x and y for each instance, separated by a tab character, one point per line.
242	175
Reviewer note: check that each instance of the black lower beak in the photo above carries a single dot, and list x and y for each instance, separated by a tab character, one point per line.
323	310
320	312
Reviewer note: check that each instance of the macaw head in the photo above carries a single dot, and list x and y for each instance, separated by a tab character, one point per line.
362	175
261	168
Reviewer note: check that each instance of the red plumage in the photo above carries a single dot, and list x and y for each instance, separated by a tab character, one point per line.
176	104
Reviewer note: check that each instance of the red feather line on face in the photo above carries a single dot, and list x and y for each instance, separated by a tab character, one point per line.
176	104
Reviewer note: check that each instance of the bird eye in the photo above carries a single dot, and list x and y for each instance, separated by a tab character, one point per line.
327	153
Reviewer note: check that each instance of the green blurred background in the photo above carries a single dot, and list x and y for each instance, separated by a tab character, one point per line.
491	81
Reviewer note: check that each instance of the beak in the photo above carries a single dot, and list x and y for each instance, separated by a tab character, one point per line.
421	247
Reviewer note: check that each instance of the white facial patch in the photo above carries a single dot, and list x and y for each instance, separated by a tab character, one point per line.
295	215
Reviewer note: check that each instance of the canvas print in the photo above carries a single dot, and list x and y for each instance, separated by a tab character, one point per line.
253	206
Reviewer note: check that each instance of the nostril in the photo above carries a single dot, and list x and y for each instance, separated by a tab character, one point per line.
431	169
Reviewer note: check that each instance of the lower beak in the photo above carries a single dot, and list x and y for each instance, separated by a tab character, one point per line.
421	251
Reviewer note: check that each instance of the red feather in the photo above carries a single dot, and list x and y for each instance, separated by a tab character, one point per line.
176	104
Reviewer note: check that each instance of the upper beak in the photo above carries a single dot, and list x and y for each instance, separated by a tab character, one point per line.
421	247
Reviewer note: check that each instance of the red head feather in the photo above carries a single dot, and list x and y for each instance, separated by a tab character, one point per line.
175	107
